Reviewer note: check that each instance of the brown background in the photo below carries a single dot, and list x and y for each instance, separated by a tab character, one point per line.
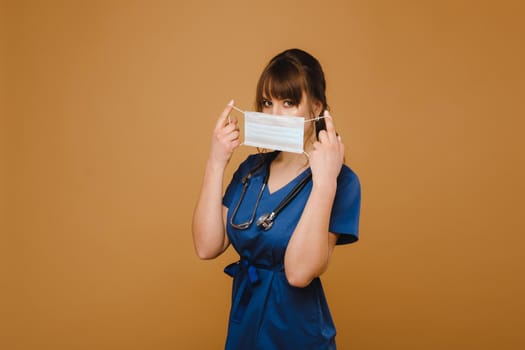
107	109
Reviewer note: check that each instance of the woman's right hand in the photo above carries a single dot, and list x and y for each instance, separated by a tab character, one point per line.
225	137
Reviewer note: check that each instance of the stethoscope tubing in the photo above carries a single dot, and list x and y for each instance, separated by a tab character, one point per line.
266	220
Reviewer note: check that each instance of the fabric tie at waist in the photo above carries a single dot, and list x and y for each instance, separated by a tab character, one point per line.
244	266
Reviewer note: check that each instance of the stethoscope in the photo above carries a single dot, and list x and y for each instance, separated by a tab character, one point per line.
266	220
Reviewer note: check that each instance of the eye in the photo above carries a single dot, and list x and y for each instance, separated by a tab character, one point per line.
266	103
288	103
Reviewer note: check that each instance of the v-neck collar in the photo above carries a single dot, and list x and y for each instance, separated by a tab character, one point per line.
289	183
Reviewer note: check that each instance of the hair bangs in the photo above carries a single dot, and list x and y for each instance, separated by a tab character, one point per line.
281	80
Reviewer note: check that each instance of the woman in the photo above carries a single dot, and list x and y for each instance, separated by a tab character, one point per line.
277	300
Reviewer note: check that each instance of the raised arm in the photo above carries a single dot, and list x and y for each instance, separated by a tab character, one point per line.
209	233
311	245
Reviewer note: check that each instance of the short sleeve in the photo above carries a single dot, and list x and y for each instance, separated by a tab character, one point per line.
344	219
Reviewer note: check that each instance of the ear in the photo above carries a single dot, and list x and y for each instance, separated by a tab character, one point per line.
317	108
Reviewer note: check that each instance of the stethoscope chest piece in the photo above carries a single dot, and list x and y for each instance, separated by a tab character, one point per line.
265	221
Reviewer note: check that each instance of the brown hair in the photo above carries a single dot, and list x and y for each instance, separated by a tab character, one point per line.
290	75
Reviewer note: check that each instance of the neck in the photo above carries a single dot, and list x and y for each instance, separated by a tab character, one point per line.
292	160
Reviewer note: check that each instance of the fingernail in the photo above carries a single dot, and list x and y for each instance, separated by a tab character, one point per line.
231	103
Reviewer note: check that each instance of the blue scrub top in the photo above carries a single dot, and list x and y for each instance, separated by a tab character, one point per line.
267	312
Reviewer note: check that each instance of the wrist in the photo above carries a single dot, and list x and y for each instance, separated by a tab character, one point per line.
214	165
328	187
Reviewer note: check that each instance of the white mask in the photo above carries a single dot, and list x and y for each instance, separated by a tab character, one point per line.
281	133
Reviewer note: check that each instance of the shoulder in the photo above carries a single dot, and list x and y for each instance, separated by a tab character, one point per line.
252	159
347	177
348	186
250	164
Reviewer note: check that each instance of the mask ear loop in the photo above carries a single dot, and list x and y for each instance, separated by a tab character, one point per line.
238	109
310	120
316	118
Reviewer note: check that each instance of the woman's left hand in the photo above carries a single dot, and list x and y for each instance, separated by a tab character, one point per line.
327	156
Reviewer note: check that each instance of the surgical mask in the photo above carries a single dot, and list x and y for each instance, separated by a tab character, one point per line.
280	133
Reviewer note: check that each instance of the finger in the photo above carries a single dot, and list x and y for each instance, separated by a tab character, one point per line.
323	136
330	128
231	126
235	144
224	115
232	136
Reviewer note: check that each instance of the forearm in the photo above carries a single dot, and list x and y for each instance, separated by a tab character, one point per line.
311	245
208	225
